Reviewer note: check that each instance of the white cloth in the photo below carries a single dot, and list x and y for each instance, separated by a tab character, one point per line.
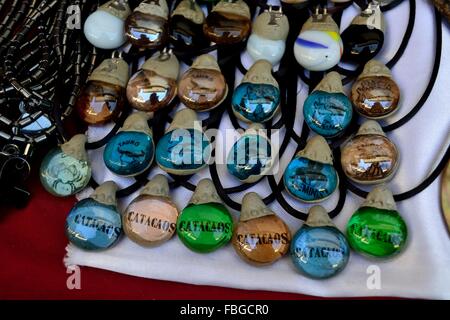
422	270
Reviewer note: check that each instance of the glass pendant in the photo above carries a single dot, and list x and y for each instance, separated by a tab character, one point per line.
364	38
257	98
310	176
261	237
131	151
319	46
376	229
228	23
105	27
370	157
65	170
95	223
187	26
184	149
148	27
268	39
375	94
155	85
205	225
103	97
203	87
250	158
327	110
319	250
151	218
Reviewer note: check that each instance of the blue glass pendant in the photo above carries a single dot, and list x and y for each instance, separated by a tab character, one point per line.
65	170
310	176
327	110
131	151
319	250
251	156
257	98
95	223
184	149
319	46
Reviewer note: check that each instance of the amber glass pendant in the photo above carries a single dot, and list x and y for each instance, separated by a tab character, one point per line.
203	86
375	94
260	237
155	86
228	23
370	157
103	98
147	27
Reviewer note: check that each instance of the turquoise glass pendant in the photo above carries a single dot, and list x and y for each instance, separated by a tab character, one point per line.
268	38
376	229
319	46
327	110
205	225
184	149
319	250
65	170
251	156
95	223
132	150
310	176
257	98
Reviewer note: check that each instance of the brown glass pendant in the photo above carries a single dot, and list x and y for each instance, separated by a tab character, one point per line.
155	86
228	23
103	98
203	87
370	157
375	94
147	27
260	237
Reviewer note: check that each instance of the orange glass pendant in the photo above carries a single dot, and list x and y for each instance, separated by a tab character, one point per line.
103	98
155	86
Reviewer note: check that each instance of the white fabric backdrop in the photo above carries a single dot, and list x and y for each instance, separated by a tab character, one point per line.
422	270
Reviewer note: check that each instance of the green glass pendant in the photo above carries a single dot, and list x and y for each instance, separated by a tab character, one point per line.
376	229
65	170
205	225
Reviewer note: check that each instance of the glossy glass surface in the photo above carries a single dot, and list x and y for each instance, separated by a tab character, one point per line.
129	153
100	102
262	240
146	30
150	220
310	181
256	102
250	156
205	227
328	114
181	150
377	232
63	175
361	43
226	28
319	252
93	226
186	34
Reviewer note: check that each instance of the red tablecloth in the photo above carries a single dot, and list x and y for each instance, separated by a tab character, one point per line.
32	248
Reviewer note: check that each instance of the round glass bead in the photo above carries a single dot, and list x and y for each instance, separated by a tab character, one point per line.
309	180
92	225
63	175
319	252
129	153
328	114
377	232
150	220
183	150
250	156
256	102
205	227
